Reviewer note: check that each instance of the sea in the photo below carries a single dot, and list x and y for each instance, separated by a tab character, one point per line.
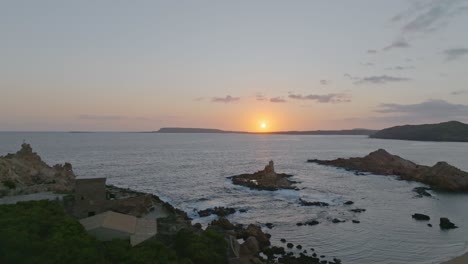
190	171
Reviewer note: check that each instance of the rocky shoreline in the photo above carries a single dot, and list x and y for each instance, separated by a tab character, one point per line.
441	176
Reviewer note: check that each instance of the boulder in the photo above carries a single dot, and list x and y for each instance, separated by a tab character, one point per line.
314	203
223	223
421	217
446	224
219	211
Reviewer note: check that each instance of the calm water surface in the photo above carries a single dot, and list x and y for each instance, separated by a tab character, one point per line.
190	170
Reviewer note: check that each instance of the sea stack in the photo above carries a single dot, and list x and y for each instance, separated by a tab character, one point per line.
266	179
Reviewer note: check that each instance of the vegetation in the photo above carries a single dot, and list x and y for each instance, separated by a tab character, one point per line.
448	131
9	184
40	232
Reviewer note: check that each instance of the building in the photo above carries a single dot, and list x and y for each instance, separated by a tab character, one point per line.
111	225
90	197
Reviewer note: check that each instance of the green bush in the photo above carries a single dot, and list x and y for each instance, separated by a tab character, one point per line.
9	184
209	247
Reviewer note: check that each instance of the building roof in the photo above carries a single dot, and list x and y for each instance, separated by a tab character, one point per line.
138	229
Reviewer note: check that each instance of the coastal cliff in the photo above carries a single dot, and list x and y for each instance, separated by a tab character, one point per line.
24	172
441	176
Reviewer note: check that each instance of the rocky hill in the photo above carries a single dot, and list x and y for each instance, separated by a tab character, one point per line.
447	131
24	172
442	175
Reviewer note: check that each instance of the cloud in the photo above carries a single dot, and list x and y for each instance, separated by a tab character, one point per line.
430	111
382	79
453	54
325	98
399	44
430	108
367	63
399	68
226	100
428	16
459	92
354	78
260	97
372	51
277	100
324	82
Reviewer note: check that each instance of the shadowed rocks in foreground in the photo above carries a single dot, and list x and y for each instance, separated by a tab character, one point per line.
266	179
441	176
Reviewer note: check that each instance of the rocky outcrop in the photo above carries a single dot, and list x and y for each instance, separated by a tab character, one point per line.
441	176
219	211
421	217
24	172
445	223
266	179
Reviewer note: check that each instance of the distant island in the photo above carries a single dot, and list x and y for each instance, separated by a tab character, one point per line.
365	132
453	131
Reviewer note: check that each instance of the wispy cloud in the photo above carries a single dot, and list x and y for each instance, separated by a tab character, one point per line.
382	79
369	64
277	100
428	16
459	92
371	51
349	76
324	82
399	44
430	108
325	98
453	54
260	97
226	100
399	68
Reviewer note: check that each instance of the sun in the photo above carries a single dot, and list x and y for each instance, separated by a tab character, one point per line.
263	125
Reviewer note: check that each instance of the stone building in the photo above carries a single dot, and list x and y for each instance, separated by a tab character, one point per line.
90	197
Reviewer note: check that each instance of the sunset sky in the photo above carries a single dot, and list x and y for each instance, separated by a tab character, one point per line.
293	65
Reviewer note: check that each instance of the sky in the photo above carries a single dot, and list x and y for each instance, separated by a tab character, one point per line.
291	65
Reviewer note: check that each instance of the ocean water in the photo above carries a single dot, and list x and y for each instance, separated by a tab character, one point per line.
190	170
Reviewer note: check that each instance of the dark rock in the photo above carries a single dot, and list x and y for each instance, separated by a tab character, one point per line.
323	262
357	210
299	247
314	255
442	175
446	224
266	179
315	203
223	223
312	249
269	225
197	226
422	191
299	224
429	225
242	210
336	221
421	217
290	245
356	221
283	240
312	222
219	211
349	203
322	256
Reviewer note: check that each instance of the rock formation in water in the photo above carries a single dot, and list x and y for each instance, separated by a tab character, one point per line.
266	179
441	176
24	172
